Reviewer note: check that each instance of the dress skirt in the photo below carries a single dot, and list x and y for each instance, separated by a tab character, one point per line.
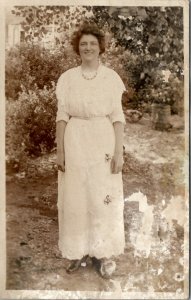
90	197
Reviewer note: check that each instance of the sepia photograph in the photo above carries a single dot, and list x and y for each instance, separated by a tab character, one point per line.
95	137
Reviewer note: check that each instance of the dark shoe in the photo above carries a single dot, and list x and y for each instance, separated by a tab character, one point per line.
96	263
75	264
105	267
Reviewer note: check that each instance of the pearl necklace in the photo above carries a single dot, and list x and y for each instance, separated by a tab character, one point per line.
89	78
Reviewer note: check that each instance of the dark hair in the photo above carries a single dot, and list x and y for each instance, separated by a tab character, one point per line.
88	28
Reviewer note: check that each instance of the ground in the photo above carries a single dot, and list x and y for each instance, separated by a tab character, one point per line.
154	194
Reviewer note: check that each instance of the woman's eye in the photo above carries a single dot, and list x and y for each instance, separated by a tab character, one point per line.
92	44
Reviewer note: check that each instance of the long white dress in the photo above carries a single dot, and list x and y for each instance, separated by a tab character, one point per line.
90	197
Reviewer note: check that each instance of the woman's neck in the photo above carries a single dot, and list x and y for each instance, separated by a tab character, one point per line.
90	66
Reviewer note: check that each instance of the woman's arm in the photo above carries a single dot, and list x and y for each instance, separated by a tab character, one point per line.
60	130
119	130
117	160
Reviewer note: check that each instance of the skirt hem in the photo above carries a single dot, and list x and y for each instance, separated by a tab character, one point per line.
91	254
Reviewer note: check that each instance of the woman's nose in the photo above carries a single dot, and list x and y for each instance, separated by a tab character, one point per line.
88	46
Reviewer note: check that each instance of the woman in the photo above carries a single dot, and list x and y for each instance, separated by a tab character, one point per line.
89	131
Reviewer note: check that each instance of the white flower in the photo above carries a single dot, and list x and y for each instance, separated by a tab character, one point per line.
160	270
21	175
139	28
122	17
83	264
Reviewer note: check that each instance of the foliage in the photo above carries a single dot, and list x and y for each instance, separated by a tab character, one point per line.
30	64
142	87
154	37
176	93
14	146
30	127
31	123
38	18
15	68
157	31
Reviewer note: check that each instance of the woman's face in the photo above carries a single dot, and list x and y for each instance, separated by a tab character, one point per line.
89	48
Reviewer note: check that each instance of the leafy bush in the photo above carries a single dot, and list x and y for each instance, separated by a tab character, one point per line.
31	75
31	123
176	94
14	70
14	147
144	80
28	64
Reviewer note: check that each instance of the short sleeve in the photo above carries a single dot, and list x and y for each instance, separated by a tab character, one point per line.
61	94
118	88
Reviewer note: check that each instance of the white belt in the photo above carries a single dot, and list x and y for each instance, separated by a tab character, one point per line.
89	118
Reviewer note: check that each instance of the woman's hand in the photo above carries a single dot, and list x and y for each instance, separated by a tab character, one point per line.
60	161
117	162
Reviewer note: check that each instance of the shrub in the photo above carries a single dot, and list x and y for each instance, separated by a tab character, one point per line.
15	69
144	80
31	74
28	64
14	146
31	123
176	93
